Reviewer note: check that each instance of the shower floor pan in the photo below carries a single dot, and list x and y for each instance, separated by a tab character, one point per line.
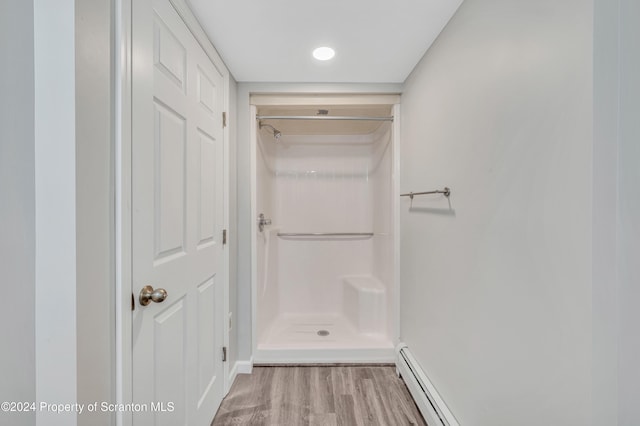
320	338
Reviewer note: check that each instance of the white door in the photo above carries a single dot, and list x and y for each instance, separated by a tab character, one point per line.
177	204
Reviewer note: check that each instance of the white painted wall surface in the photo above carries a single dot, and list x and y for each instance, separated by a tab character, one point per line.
55	221
266	241
322	185
629	214
605	211
94	208
17	209
496	285
383	226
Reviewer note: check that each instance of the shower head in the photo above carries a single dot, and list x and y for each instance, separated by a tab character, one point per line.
276	133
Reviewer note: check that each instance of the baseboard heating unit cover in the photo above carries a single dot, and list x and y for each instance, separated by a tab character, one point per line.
431	405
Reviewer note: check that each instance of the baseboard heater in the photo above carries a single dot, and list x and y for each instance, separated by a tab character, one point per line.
429	402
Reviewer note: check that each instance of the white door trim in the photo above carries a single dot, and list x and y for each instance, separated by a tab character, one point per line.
395	198
253	150
123	126
122	114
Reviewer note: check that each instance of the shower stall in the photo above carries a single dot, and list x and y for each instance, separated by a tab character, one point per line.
325	239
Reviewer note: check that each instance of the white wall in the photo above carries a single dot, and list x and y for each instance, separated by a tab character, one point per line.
605	212
42	155
265	176
322	185
629	214
55	178
17	208
266	241
496	283
616	213
383	226
95	229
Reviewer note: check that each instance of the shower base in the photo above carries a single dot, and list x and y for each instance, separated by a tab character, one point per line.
320	338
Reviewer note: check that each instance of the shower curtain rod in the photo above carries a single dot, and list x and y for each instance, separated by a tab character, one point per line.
325	234
321	117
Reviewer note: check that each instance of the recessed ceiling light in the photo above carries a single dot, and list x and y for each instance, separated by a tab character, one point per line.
324	53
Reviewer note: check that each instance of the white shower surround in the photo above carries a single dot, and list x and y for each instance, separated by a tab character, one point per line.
347	286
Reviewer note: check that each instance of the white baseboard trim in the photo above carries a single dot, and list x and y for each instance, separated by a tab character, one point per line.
232	375
240	367
244	367
429	402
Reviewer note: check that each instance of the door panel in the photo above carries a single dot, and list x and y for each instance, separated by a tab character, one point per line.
207	199
206	347
177	200
170	56
169	183
170	362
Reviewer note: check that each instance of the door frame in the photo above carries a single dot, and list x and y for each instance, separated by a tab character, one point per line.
122	97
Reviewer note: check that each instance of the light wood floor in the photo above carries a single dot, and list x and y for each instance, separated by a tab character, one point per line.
319	396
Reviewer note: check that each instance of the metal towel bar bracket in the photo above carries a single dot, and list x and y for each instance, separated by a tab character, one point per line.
446	191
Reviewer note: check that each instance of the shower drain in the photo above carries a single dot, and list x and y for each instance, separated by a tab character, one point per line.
323	333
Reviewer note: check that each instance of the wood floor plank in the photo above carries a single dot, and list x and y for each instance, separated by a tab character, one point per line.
342	379
404	411
345	411
319	396
363	415
385	379
321	391
327	419
372	397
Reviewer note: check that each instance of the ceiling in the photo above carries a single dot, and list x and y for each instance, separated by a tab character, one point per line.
375	41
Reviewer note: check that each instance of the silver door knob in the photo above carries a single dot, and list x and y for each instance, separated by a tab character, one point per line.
262	222
148	295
